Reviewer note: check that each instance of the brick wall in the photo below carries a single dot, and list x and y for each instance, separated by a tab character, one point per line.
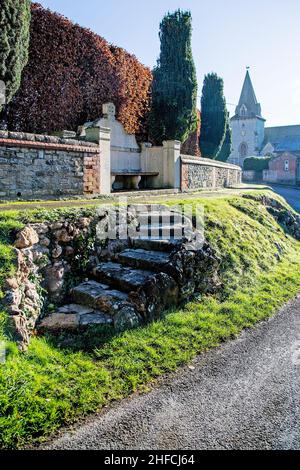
282	169
41	165
201	173
91	177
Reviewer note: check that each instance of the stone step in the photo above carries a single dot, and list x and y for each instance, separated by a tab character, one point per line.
95	319
165	232
75	309
161	225
155	244
147	260
163	214
165	217
74	316
120	277
98	296
166	228
141	208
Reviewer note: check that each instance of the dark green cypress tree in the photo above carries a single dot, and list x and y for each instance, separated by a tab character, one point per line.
14	43
174	92
213	116
226	149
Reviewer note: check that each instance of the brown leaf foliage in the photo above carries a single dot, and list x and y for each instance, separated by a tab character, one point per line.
71	72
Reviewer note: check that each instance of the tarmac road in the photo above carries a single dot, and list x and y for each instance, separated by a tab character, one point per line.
243	395
291	194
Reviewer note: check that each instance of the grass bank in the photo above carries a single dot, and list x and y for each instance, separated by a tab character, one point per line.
52	385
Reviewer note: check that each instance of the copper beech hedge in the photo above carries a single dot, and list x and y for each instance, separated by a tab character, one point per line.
71	72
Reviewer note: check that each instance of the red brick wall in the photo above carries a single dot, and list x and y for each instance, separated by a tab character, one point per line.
91	174
277	172
184	177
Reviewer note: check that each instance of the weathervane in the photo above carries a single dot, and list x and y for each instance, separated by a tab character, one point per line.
248	68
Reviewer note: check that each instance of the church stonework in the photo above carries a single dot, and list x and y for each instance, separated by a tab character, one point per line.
251	138
248	126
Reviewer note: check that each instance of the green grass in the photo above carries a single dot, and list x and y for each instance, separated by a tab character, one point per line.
96	200
61	379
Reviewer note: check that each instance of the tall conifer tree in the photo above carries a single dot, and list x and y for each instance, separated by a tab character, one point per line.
226	149
174	92
14	43
213	116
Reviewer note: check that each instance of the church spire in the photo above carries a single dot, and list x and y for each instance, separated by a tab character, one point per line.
248	106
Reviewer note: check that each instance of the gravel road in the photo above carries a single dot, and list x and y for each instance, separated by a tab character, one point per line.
243	395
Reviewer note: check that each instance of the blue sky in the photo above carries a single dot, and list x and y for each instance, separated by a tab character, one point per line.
228	35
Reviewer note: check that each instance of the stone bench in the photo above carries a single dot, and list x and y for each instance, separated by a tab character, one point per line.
131	179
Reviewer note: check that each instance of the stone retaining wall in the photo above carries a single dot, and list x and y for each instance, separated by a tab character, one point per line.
41	165
200	173
251	176
46	254
60	262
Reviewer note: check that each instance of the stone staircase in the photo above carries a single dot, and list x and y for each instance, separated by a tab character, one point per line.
160	267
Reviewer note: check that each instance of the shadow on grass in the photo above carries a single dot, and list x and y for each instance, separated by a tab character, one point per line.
94	337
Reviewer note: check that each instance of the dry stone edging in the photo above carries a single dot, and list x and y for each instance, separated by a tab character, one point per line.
43	254
136	281
127	282
288	219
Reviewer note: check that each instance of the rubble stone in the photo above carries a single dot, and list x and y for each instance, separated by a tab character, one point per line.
27	237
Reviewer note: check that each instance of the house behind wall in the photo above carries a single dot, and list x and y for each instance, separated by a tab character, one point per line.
284	169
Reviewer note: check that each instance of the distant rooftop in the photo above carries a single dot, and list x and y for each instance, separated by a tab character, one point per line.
283	138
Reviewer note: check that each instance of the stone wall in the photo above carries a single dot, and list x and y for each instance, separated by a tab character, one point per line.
33	165
61	261
41	165
201	173
47	256
250	176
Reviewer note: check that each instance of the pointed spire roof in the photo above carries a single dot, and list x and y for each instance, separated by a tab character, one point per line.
248	95
248	106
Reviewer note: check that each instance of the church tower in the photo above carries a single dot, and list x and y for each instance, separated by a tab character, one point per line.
248	125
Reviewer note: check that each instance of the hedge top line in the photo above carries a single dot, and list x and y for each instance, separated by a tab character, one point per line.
71	73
